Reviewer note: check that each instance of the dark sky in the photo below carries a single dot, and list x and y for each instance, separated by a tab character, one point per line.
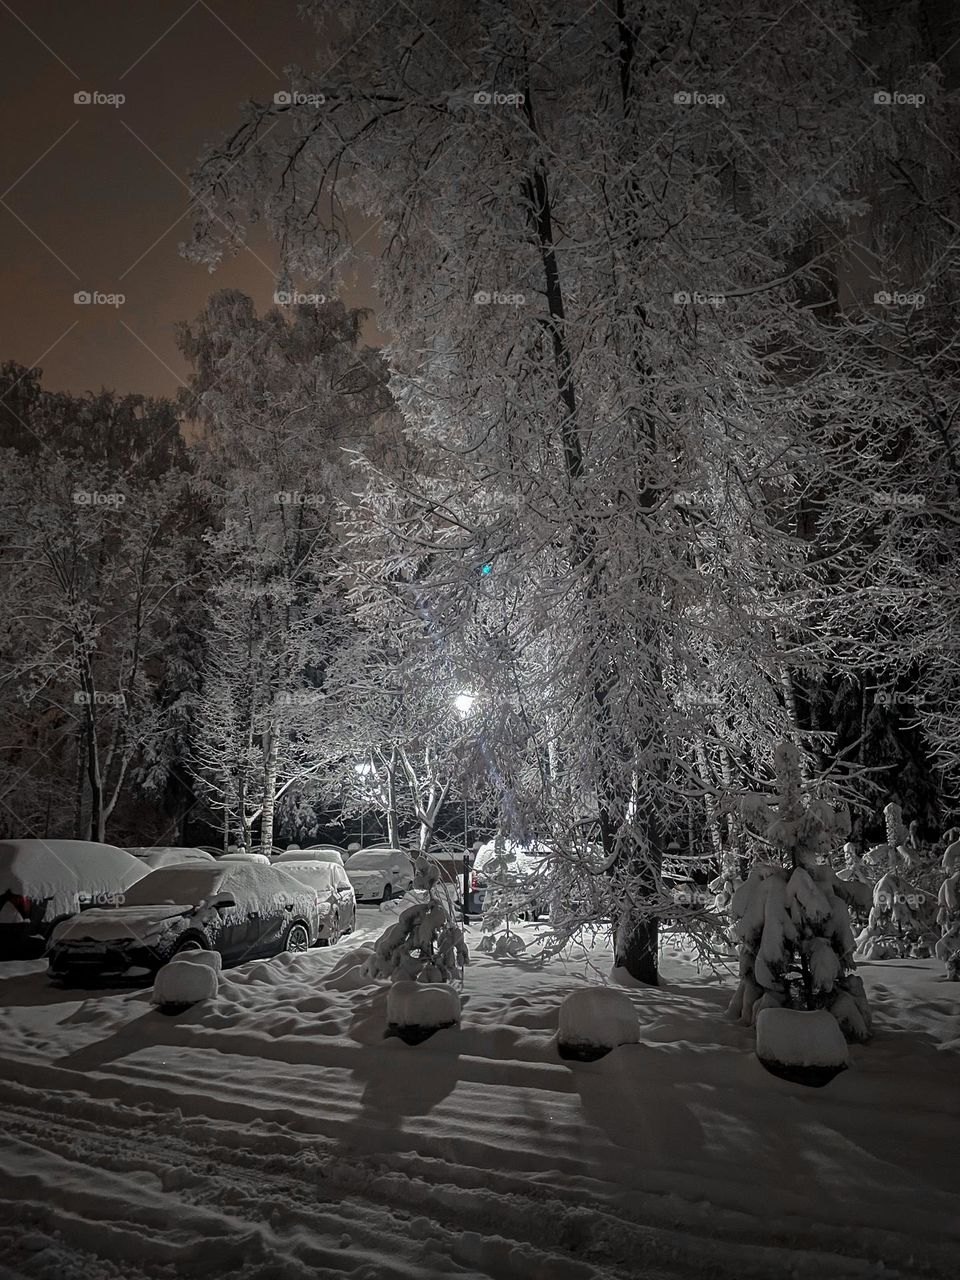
93	195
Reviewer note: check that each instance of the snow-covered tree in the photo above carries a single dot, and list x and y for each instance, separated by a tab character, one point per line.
632	430
426	943
94	566
507	895
948	914
790	914
280	398
895	926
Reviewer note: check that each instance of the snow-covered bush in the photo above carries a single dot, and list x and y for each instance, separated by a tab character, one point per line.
790	915
948	913
426	943
800	1045
508	891
188	978
895	926
595	1020
416	1009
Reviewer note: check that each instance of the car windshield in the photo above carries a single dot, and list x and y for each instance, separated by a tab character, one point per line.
373	859
173	885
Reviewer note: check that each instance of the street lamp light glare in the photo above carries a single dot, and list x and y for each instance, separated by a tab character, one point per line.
464	702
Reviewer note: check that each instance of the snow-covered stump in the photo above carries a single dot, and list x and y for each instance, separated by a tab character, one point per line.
415	1010
805	1046
185	980
594	1021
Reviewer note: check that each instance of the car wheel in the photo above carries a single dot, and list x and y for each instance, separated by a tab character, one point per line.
298	937
387	893
335	933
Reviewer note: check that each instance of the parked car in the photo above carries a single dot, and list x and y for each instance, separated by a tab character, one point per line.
242	910
242	856
338	902
170	856
333	852
317	854
44	881
377	875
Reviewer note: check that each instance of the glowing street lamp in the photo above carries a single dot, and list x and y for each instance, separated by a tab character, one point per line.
464	702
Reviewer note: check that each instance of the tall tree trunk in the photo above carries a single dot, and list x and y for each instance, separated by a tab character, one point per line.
97	817
636	941
393	818
271	755
78	787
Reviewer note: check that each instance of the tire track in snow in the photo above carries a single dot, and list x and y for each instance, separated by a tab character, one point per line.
267	1201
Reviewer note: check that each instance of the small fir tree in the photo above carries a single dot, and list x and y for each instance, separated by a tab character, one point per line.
790	915
894	927
425	944
508	891
948	912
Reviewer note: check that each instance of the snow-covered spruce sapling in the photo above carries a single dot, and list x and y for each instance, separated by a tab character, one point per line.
948	912
894	927
426	943
506	895
790	914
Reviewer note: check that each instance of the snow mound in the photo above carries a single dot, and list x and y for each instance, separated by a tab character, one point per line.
422	1006
185	981
594	1021
350	971
412	898
808	1047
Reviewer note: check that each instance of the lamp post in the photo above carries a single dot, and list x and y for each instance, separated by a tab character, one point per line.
464	704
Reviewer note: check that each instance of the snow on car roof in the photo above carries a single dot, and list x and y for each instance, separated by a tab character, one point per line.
53	868
374	857
313	872
255	887
318	855
170	855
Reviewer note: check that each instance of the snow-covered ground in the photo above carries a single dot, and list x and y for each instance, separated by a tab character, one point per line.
277	1133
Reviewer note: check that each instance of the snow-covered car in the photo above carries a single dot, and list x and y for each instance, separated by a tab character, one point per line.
45	881
241	910
378	874
338	902
329	852
318	854
170	856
